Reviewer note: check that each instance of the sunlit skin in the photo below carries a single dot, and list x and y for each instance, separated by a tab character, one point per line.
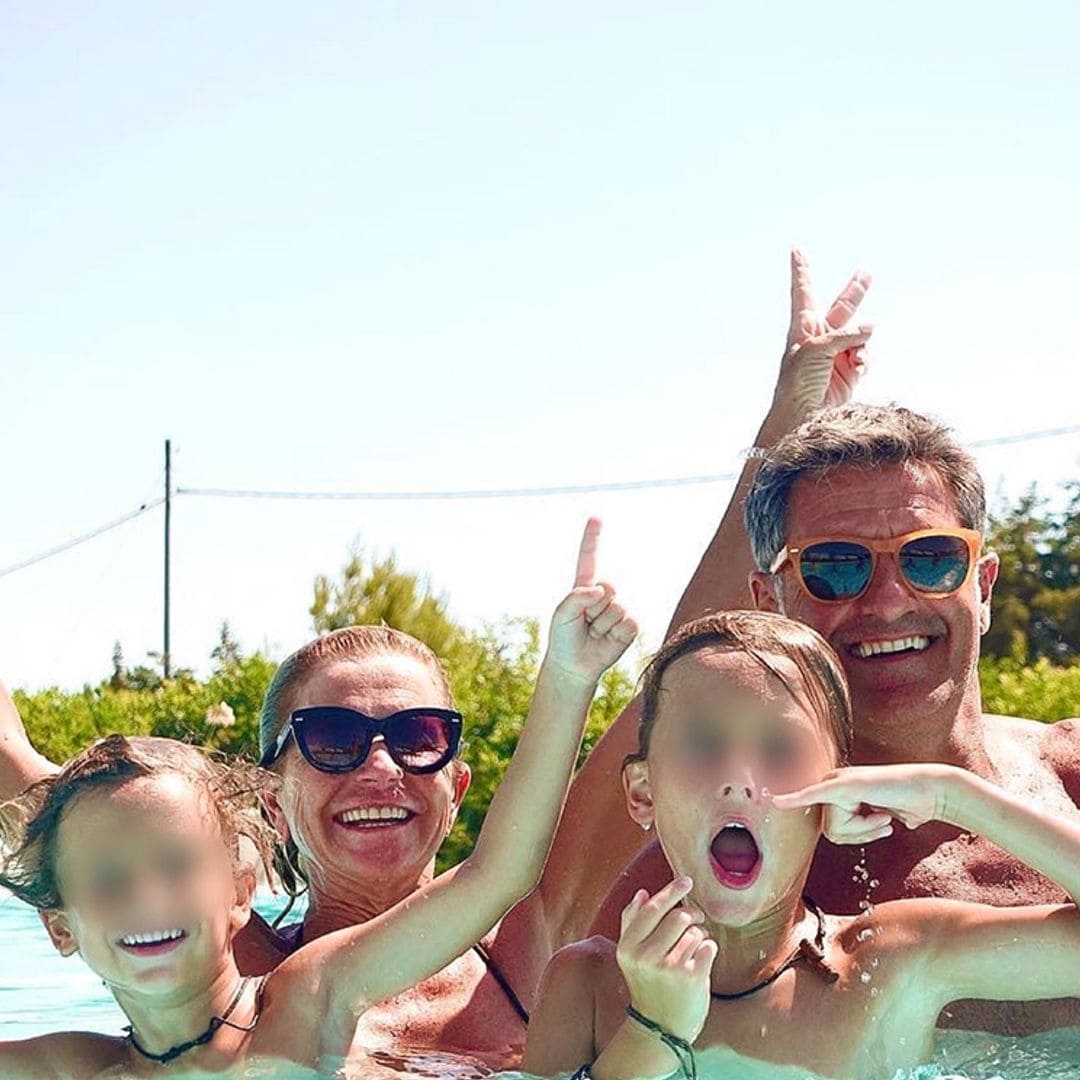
924	707
733	742
392	860
357	875
728	734
311	1002
911	706
172	872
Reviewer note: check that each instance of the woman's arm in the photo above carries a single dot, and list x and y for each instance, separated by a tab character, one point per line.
419	936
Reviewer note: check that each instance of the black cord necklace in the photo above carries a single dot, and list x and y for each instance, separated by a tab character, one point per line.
813	952
200	1040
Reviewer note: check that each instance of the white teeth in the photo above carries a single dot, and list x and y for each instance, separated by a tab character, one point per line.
374	813
876	648
152	938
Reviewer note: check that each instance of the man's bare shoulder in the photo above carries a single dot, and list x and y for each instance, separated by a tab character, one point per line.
1056	746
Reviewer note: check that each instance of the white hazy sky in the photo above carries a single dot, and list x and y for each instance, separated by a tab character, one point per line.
400	246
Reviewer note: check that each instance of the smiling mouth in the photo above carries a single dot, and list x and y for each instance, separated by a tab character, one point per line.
373	817
736	857
916	643
153	941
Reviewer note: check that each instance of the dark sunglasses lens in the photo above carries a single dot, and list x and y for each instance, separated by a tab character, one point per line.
334	739
421	740
835	569
936	563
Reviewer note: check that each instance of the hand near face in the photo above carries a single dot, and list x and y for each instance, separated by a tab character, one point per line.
861	803
666	959
822	359
590	629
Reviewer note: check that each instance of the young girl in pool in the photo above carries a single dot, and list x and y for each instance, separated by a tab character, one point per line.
131	855
738	706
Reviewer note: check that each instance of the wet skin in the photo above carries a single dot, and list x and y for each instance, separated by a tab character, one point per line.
922	706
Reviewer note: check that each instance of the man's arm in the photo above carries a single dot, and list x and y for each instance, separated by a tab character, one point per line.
821	365
20	764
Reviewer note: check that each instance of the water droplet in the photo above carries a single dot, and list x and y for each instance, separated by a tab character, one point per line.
807	810
764	1028
874	883
761	954
874	991
766	793
865	977
874	962
767	819
865	935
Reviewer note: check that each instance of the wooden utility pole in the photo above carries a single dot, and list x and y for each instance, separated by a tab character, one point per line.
165	659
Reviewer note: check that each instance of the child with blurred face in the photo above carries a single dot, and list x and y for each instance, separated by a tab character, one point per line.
131	855
745	729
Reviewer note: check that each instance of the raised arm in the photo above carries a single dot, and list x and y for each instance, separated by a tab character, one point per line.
365	964
821	365
969	946
20	764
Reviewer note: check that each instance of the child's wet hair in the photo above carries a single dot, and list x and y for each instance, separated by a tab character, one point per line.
30	823
764	636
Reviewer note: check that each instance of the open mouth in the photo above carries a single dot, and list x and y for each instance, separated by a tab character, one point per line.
896	647
736	858
152	942
373	817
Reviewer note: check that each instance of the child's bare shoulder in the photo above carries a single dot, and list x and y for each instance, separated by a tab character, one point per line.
73	1055
591	961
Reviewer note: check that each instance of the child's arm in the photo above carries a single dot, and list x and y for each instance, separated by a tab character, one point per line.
664	959
70	1055
422	934
972	950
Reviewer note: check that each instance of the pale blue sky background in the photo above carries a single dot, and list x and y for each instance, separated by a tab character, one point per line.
401	246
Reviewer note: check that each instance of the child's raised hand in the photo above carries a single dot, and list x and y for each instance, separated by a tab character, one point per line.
862	802
590	629
666	959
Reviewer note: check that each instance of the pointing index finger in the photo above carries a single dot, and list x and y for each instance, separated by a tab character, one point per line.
586	560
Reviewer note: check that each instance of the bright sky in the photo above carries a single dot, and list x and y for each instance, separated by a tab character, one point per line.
406	246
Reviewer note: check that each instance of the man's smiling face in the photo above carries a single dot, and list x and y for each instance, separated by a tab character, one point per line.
909	658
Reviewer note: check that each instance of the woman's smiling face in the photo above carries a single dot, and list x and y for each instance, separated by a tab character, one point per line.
378	824
728	734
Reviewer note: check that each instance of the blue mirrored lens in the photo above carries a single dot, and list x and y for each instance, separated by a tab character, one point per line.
935	563
835	569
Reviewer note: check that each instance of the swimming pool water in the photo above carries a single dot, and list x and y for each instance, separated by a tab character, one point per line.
41	992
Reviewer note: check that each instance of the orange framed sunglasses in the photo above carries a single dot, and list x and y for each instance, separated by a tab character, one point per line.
834	569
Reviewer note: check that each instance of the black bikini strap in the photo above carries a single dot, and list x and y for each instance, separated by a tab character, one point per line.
501	979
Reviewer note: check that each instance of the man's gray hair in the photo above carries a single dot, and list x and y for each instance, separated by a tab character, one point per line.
863	436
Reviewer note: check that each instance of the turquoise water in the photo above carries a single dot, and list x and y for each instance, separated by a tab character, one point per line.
41	992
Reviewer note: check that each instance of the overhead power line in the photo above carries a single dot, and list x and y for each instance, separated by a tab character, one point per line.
558	489
466	493
82	539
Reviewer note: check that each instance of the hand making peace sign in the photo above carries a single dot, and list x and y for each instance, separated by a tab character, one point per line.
590	629
822	360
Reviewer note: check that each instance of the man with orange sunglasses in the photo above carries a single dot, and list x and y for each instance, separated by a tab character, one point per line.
867	524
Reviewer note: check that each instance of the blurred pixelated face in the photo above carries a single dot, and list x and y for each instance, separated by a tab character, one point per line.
151	893
377	823
904	652
728	735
